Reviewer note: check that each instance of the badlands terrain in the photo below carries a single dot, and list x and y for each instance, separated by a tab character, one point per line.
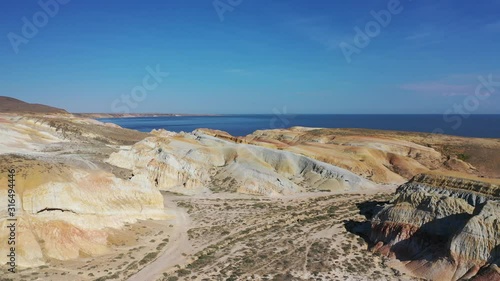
98	202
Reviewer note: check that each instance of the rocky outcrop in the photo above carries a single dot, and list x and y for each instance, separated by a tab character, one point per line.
64	218
381	156
442	228
197	162
68	202
472	191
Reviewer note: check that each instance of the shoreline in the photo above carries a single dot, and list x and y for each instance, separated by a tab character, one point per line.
135	115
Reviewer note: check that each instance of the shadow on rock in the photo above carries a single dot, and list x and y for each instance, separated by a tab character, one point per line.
367	209
370	208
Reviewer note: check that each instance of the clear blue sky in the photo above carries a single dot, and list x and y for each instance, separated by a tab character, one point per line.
263	56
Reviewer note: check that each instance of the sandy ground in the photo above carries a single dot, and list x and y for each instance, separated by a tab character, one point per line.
238	237
179	247
300	237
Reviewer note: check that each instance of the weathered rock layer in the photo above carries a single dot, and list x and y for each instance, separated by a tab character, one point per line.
67	200
383	156
442	228
194	163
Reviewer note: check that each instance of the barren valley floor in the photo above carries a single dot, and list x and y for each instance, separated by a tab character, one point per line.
238	237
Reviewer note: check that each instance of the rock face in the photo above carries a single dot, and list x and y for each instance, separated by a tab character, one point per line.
442	228
67	200
197	162
472	191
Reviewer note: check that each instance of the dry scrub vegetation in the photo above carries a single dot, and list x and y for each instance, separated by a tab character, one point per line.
302	238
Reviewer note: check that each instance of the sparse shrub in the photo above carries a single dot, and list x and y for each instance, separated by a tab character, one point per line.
183	272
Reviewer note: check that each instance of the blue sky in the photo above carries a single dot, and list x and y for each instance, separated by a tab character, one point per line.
261	56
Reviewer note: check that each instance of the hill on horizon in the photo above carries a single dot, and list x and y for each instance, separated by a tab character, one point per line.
12	105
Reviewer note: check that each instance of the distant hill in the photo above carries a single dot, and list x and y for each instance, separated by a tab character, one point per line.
12	105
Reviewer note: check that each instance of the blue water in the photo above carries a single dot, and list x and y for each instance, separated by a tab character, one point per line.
485	126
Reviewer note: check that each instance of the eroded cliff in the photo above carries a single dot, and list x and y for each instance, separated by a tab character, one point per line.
383	156
67	200
442	228
192	163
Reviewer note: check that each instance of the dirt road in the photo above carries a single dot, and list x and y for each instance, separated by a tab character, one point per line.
178	245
